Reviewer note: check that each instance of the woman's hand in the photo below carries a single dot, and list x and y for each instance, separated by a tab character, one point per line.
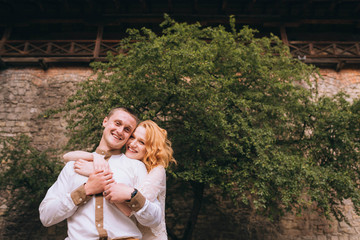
83	167
118	192
100	163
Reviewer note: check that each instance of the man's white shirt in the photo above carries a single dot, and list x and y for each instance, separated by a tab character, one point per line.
58	204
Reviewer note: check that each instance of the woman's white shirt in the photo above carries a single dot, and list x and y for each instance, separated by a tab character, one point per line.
154	187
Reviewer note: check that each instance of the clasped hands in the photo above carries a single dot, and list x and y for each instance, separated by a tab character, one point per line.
102	181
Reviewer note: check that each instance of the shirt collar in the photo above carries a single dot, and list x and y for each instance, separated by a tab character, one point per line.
108	153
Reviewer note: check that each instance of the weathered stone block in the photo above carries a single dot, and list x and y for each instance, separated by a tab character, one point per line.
321	237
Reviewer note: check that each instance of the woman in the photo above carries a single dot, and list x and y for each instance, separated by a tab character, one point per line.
149	144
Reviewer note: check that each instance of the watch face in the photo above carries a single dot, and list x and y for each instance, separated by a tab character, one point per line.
134	193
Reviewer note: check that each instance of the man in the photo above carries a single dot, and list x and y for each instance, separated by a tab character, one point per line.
79	199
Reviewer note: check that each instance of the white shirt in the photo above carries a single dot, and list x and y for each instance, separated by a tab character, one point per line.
154	188
58	204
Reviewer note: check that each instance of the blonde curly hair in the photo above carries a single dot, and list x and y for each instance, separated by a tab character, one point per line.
157	145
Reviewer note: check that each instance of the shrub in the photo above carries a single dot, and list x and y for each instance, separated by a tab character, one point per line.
25	176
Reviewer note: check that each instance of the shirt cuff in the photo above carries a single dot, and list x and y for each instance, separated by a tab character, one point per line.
137	202
79	196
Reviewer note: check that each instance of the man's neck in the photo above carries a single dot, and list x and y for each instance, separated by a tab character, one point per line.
106	151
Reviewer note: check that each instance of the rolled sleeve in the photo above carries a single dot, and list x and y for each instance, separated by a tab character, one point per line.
79	196
149	214
137	202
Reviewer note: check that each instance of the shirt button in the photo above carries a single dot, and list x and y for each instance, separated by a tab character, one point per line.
80	199
99	225
133	205
84	202
98	206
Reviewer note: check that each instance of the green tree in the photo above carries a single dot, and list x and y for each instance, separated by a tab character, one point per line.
25	176
242	114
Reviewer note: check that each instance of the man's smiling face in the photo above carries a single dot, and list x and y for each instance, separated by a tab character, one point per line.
118	128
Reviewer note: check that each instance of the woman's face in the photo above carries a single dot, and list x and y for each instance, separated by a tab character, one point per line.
135	146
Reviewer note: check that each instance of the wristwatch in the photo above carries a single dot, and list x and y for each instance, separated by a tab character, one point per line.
132	194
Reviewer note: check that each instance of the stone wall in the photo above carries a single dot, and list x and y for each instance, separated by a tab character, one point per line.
347	80
27	92
24	94
310	226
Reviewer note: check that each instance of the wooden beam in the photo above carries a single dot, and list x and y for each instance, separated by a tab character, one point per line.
326	60
4	38
43	64
98	41
328	21
283	34
246	18
340	65
7	61
35	60
311	48
26	47
72	47
2	64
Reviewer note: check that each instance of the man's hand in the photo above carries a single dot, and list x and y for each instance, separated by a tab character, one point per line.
118	192
97	182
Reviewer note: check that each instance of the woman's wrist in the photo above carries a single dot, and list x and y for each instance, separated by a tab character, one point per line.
132	195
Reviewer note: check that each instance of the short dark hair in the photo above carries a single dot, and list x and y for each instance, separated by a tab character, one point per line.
127	110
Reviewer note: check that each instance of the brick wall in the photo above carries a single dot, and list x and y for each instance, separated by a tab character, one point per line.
27	92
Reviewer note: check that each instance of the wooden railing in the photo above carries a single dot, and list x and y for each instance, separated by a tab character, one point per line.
57	48
88	50
325	50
